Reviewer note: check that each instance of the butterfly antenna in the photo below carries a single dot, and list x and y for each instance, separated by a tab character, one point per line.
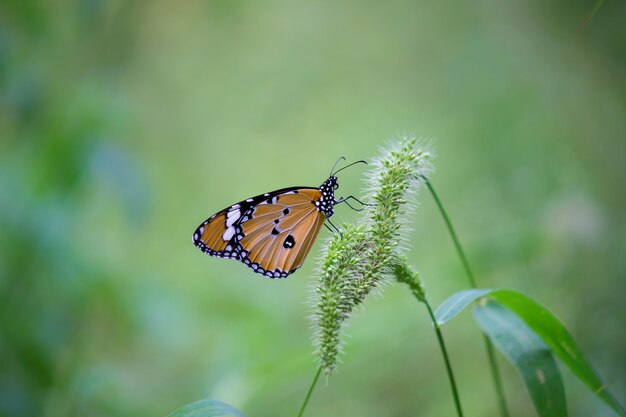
347	166
335	164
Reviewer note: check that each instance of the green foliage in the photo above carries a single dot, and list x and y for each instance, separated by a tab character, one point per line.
528	354
596	7
554	334
456	303
539	320
206	408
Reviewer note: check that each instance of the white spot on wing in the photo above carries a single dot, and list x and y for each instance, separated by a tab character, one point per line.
232	217
228	233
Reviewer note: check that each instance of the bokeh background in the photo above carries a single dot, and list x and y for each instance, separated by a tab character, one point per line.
123	125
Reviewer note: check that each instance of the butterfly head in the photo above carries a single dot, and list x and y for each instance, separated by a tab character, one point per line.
327	200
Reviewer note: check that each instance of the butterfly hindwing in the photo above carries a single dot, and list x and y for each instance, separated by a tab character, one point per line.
208	236
271	233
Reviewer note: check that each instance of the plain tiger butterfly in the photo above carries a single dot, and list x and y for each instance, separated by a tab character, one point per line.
272	233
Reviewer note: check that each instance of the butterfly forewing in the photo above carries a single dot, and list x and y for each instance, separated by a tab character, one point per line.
271	233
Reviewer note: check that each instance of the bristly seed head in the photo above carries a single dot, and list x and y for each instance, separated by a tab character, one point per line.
357	261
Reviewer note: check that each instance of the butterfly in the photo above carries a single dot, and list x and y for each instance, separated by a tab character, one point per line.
274	232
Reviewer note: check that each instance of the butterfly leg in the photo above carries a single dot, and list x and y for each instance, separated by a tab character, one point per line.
345	200
353	208
334	227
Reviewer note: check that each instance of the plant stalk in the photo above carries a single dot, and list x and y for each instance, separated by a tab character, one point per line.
495	374
444	352
455	239
470	276
308	394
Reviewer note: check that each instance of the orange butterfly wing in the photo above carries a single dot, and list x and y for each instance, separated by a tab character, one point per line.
271	233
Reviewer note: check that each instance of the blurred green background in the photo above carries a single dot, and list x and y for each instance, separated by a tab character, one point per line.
123	125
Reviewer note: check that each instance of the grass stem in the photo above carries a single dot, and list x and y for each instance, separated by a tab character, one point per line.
495	374
455	239
470	276
444	352
308	394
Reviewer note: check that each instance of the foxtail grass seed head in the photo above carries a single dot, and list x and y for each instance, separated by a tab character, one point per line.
356	262
340	268
407	275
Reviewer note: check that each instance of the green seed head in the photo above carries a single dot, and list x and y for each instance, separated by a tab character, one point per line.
357	261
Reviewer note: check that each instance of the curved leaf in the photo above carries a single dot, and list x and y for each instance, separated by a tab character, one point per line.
560	341
454	304
530	356
545	325
206	408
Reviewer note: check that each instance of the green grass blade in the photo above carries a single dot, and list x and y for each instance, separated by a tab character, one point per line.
545	325
560	341
598	4
206	408
456	303
528	354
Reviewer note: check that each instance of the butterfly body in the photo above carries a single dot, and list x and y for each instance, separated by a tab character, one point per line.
271	233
